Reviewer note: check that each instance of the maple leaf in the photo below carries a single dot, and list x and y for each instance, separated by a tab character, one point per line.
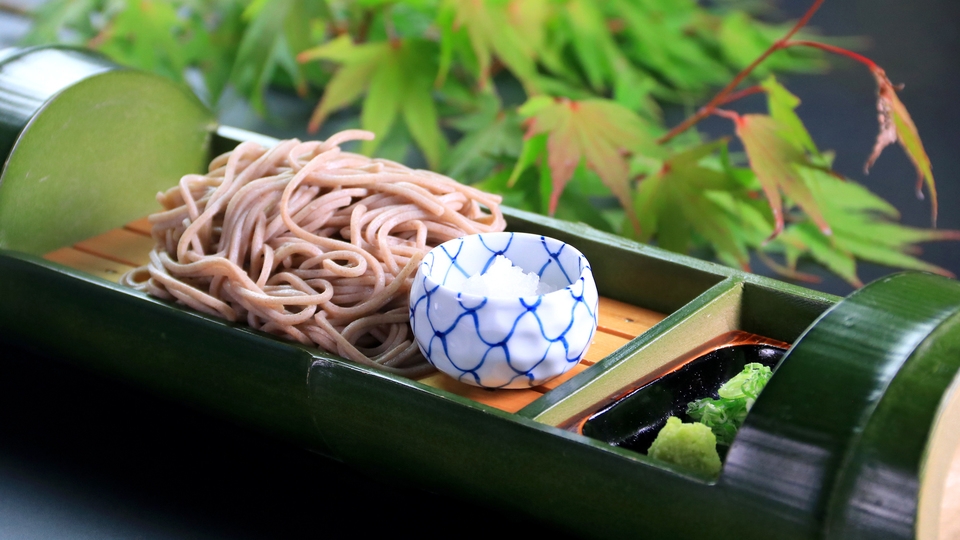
777	163
145	33
864	228
896	125
491	135
657	37
782	104
397	77
490	32
276	31
685	197
599	131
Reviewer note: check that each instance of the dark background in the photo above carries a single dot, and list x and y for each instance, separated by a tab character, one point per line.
82	456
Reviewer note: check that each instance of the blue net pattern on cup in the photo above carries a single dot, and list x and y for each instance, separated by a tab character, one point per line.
566	310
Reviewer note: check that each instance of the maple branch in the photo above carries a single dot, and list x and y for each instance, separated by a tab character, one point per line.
363	29
756	89
721	96
835	50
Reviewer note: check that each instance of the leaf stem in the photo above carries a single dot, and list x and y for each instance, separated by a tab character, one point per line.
721	96
729	115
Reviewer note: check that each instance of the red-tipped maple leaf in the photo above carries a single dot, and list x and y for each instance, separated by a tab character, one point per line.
896	125
596	130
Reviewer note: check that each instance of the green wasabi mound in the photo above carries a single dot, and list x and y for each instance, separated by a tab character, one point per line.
692	446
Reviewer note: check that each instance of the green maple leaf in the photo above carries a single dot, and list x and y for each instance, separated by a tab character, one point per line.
896	125
778	164
51	19
491	136
591	41
397	77
600	132
147	34
742	39
782	107
686	198
863	228
277	30
481	31
662	36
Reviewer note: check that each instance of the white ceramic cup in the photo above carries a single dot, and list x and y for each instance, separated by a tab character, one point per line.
498	342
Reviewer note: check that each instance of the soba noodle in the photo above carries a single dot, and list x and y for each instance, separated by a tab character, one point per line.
309	242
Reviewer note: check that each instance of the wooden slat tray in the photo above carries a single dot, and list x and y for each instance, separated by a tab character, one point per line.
111	254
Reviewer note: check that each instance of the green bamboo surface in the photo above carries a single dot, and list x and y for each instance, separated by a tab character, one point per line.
90	144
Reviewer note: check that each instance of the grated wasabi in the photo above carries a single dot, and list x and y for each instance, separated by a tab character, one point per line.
692	446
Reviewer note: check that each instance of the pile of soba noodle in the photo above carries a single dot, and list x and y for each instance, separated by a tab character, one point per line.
310	242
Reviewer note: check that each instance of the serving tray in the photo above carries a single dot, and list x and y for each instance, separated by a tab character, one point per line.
855	436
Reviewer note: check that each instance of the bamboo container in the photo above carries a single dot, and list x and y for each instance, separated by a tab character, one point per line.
855	436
